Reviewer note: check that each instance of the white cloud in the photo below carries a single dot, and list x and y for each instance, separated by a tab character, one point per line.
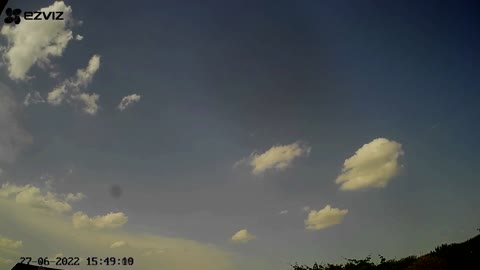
9	244
33	98
324	218
57	95
85	76
13	138
243	236
33	197
128	100
108	221
276	158
75	197
306	208
35	42
372	166
71	89
283	212
78	37
119	244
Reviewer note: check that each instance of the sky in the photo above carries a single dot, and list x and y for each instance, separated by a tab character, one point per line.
238	134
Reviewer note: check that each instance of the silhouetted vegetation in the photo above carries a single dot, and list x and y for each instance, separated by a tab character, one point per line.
461	256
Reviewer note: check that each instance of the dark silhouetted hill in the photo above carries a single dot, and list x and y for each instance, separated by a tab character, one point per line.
459	256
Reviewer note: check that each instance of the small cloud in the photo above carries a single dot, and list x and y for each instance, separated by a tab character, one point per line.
243	236
78	37
327	217
119	244
128	101
306	208
372	166
109	221
75	197
276	158
33	98
9	244
283	212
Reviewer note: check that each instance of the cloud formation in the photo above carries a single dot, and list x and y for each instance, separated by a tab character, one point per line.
128	101
13	138
75	197
327	217
372	166
277	158
9	243
33	197
166	252
283	212
243	236
108	221
71	90
36	42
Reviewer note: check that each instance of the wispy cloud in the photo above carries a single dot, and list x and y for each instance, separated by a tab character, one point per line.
127	101
33	98
71	90
276	158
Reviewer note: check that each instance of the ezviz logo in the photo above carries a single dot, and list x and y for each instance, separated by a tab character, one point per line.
15	15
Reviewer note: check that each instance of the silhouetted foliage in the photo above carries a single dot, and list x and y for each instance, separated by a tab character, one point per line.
429	262
464	256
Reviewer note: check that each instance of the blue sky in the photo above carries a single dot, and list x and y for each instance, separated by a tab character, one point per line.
286	91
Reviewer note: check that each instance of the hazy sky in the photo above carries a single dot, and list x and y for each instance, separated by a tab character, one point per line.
239	134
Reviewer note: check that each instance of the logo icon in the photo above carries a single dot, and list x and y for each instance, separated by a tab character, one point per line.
13	15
